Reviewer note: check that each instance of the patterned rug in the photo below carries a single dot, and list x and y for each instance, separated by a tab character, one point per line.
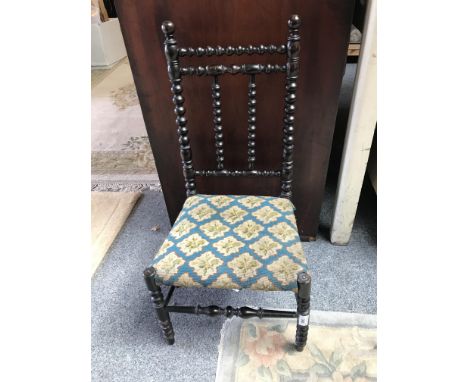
121	157
342	347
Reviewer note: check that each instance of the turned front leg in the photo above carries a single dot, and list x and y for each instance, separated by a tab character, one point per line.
158	301
303	308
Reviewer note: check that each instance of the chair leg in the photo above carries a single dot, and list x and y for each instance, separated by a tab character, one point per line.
303	306
158	300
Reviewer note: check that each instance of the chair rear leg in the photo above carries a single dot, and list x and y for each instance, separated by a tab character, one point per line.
303	307
158	300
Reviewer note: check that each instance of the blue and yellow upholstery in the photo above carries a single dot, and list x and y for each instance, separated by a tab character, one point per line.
232	242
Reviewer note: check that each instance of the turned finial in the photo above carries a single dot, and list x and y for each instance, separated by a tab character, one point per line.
149	272
294	21
303	278
168	27
303	283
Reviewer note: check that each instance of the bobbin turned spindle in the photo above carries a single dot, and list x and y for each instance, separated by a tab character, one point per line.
292	73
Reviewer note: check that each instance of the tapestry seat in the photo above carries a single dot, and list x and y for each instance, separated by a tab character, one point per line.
232	242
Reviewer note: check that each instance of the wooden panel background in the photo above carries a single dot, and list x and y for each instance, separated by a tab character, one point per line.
324	40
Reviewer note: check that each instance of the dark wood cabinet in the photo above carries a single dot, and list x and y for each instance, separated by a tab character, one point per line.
324	40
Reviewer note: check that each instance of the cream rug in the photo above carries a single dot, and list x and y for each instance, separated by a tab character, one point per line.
121	156
109	211
342	347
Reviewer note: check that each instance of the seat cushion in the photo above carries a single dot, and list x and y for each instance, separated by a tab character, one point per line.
232	242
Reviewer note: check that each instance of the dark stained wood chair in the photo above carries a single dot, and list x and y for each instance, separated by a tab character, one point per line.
233	241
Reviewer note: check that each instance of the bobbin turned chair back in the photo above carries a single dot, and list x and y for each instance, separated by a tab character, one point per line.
177	72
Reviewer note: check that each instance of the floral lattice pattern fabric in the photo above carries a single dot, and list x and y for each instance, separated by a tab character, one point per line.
232	242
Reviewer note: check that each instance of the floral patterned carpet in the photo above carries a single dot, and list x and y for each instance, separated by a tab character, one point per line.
342	347
121	157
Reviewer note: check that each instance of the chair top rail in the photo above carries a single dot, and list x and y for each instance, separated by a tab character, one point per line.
215	70
231	50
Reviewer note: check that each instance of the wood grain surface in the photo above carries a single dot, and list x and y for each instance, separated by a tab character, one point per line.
324	33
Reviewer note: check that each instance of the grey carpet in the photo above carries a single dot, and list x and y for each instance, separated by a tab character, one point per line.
126	341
